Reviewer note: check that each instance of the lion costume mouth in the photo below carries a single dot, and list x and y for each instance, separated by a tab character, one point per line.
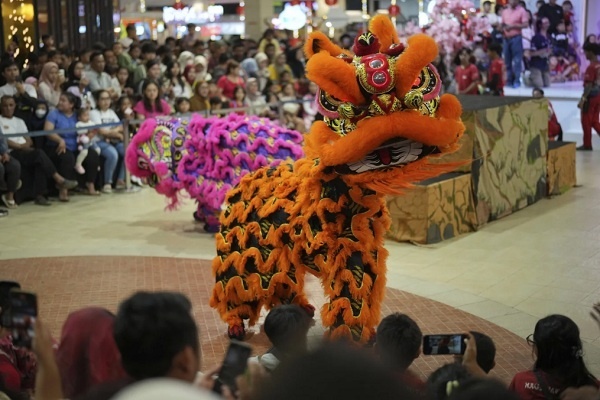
393	153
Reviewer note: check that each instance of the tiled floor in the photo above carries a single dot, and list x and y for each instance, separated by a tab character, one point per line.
66	284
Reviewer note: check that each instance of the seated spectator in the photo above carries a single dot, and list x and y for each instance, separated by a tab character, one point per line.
559	361
13	85
179	87
557	68
49	87
486	352
277	67
291	119
256	101
182	105
61	148
121	82
151	105
216	103
398	344
332	372
288	92
269	40
189	74
555	131
88	355
153	73
200	99
110	141
231	80
10	172
22	150
78	84
263	70
185	59
148	52
572	72
309	106
99	80
560	41
124	60
478	388
286	326
239	100
201	69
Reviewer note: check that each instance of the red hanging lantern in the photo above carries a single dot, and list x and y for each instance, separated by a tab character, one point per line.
239	10
178	5
394	10
331	2
295	2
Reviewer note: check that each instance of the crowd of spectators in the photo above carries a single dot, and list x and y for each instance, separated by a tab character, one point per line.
537	48
150	350
133	80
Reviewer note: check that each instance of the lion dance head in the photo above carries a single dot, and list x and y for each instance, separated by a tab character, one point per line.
384	118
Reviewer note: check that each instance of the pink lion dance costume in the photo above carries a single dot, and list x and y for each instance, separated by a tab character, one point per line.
207	157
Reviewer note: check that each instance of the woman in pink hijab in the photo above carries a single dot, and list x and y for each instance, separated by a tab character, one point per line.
88	355
49	84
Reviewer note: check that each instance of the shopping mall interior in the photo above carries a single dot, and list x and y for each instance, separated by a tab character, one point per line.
521	262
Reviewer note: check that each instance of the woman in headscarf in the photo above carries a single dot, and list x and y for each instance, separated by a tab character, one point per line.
49	84
88	355
185	58
201	67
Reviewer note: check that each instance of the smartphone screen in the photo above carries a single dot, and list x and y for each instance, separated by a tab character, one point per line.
234	364
23	310
444	344
5	288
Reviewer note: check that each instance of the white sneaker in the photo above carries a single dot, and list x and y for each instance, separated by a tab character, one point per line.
107	189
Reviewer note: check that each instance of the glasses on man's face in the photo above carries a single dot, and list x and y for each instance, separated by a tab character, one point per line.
529	340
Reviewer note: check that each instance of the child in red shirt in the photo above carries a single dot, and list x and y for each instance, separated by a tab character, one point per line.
466	72
497	70
590	101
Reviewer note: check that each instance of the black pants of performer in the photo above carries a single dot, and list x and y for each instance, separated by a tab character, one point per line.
10	173
65	164
43	169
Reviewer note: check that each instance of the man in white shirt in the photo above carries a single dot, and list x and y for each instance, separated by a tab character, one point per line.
20	149
24	93
96	75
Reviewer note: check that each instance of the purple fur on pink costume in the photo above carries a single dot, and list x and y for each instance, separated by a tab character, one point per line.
207	156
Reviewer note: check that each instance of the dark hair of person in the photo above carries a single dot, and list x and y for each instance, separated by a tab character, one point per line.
438	380
215	100
231	65
133	46
560	352
398	340
72	80
180	100
464	49
151	329
487	3
152	63
567	2
478	388
95	55
593	47
148	47
9	63
146	101
496	48
498	8
46	36
98	46
286	327
74	100
537	89
486	351
98	93
334	371
130	27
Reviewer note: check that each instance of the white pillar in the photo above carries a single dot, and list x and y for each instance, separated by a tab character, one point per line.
256	11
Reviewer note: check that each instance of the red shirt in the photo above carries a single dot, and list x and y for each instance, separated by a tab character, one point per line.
592	73
514	16
526	386
228	87
497	68
465	76
9	374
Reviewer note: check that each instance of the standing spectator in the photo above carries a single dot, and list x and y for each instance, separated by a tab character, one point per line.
466	73
514	19
200	99
151	105
268	38
568	14
590	100
49	84
21	149
99	80
238	52
540	52
110	141
61	148
231	79
187	42
560	41
497	71
78	84
124	60
553	12
131	33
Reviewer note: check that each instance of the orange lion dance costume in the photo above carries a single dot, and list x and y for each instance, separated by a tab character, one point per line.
325	214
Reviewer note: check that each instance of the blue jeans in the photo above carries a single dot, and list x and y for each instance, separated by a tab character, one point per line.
513	58
111	153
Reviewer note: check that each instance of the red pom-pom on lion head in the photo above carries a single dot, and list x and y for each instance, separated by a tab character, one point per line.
383	114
